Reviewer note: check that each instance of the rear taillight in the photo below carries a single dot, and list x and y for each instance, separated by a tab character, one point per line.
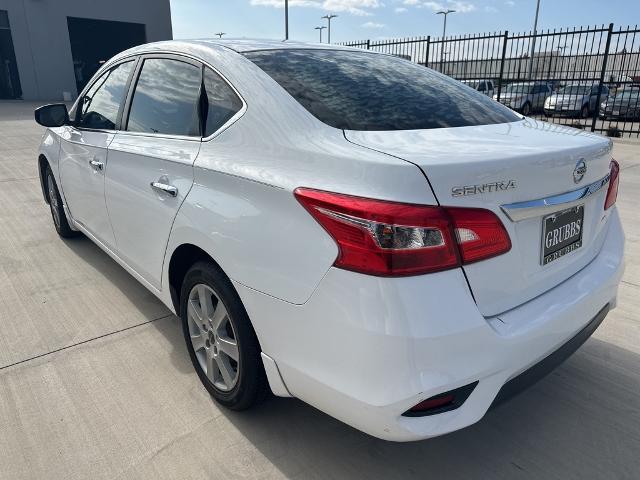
384	238
614	180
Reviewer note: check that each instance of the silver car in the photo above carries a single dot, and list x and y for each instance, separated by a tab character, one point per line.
525	97
625	105
575	100
483	86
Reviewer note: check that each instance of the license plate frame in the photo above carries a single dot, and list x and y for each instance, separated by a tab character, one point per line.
555	222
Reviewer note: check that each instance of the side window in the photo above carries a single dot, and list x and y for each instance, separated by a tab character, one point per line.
166	98
223	103
101	103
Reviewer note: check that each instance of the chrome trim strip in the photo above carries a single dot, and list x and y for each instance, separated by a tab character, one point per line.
535	208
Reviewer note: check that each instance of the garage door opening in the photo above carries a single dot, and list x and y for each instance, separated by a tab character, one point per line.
93	42
9	79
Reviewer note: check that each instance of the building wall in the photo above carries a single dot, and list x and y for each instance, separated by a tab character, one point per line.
41	37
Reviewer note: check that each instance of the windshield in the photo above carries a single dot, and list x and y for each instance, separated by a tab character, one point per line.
518	88
575	90
628	96
471	83
366	91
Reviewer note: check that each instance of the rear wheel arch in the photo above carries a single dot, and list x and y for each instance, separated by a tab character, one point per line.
182	259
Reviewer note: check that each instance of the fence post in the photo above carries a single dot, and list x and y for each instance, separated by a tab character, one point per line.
368	44
596	113
426	57
504	54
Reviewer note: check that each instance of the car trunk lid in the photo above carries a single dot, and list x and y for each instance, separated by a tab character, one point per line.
494	166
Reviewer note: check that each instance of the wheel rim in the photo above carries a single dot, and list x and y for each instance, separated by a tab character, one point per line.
53	201
213	337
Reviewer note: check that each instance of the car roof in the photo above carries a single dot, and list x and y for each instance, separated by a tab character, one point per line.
242	45
239	45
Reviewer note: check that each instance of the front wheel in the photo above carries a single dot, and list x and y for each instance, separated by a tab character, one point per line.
221	341
57	210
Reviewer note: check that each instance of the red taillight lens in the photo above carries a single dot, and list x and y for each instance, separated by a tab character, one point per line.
614	181
384	238
480	234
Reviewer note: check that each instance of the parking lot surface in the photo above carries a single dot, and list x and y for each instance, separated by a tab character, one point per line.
96	382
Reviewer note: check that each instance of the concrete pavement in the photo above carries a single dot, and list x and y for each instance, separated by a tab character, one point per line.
95	380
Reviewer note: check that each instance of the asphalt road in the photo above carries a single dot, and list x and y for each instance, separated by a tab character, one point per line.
95	381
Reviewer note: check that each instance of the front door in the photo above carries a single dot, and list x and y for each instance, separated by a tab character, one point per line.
150	167
84	147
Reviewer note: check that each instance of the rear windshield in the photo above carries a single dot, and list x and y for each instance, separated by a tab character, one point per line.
364	91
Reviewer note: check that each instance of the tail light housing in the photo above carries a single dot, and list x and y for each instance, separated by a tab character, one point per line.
378	237
614	181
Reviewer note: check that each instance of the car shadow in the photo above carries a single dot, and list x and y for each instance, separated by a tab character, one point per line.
142	299
581	421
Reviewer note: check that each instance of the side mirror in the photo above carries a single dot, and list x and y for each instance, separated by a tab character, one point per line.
54	115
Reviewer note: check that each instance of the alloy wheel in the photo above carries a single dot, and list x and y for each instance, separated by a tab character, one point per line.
213	337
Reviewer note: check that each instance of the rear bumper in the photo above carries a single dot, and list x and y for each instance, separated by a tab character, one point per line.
366	349
538	371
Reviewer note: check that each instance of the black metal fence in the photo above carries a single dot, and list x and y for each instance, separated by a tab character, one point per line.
587	77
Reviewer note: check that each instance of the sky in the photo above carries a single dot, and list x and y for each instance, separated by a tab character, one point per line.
379	19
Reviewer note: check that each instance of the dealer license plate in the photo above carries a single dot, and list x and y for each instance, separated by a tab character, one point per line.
561	233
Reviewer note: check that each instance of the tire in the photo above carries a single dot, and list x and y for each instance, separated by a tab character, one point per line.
210	334
55	204
526	109
584	112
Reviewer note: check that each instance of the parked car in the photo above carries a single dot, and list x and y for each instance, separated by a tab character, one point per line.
400	265
625	105
575	100
485	87
524	97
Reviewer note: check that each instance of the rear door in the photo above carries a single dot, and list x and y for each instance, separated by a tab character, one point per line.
83	156
150	167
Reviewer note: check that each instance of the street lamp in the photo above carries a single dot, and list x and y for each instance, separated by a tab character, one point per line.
444	33
286	19
320	30
220	34
533	40
329	17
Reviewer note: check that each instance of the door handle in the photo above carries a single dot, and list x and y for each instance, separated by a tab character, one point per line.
165	188
96	165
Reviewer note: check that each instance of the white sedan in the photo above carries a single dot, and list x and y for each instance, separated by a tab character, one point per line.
341	226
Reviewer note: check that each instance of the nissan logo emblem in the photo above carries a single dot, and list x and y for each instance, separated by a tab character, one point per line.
579	171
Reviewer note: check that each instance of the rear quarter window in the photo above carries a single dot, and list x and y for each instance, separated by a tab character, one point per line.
366	91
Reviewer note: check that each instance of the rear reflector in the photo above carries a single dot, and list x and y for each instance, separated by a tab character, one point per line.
614	181
443	402
378	237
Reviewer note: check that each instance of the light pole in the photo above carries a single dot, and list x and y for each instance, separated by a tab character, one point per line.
220	34
320	30
329	17
286	19
533	40
444	34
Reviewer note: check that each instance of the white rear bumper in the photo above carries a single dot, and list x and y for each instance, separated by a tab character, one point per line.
366	349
